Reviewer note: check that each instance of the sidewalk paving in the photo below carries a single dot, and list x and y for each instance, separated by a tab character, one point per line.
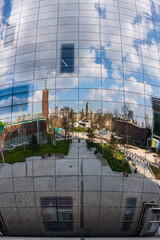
71	164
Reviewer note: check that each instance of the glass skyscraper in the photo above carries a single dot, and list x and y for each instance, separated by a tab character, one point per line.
80	104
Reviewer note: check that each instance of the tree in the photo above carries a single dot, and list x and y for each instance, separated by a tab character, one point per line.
33	143
51	130
90	133
65	121
72	118
113	141
99	120
107	121
68	120
7	137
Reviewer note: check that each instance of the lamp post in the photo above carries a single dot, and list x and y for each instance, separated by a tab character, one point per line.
67	122
1	129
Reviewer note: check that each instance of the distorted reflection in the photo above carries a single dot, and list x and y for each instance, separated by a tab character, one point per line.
79	100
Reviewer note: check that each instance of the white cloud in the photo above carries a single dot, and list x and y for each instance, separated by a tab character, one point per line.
91	68
99	94
6	102
130	33
114	87
132	85
66	81
38	97
151	59
81	102
132	101
116	75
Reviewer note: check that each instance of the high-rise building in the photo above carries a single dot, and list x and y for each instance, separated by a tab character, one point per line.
88	110
99	55
83	113
92	115
130	115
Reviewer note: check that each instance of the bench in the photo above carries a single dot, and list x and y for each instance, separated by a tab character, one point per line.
99	156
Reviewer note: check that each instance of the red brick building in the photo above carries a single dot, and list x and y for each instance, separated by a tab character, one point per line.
45	107
21	132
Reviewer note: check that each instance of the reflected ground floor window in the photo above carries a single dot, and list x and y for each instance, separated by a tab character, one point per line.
57	213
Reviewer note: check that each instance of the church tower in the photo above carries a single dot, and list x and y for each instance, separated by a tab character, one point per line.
45	110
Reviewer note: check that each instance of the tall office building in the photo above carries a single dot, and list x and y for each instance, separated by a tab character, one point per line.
130	115
88	110
98	55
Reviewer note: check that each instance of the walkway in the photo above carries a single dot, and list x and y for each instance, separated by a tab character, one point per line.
71	164
92	165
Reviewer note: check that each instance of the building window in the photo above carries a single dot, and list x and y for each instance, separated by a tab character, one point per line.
150	213
2	226
9	35
67	58
129	213
57	213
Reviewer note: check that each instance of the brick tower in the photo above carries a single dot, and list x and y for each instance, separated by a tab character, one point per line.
45	110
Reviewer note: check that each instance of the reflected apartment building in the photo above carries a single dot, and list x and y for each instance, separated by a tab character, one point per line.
93	64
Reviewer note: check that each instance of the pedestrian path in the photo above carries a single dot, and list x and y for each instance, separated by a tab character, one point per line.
92	165
71	164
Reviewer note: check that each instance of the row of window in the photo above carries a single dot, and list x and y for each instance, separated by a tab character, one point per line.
151	74
88	26
73	20
86	38
82	82
83	42
84	60
86	33
109	106
128	86
84	6
122	86
83	47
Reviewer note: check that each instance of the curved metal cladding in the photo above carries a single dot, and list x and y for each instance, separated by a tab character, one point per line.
68	67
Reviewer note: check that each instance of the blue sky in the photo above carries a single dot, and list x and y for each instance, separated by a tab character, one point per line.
101	73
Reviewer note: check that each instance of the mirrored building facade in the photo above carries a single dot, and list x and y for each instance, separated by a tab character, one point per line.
77	69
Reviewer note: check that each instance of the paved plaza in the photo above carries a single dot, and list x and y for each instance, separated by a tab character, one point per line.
99	195
135	151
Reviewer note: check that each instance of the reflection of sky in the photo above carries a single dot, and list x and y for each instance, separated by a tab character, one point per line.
6	12
14	96
101	64
101	10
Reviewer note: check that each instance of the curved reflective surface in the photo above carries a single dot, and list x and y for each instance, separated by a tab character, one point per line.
76	69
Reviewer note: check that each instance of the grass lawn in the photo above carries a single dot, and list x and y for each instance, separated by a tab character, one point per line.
18	154
115	159
79	129
156	171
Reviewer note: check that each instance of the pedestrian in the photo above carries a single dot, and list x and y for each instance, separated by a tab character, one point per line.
135	170
125	173
95	152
